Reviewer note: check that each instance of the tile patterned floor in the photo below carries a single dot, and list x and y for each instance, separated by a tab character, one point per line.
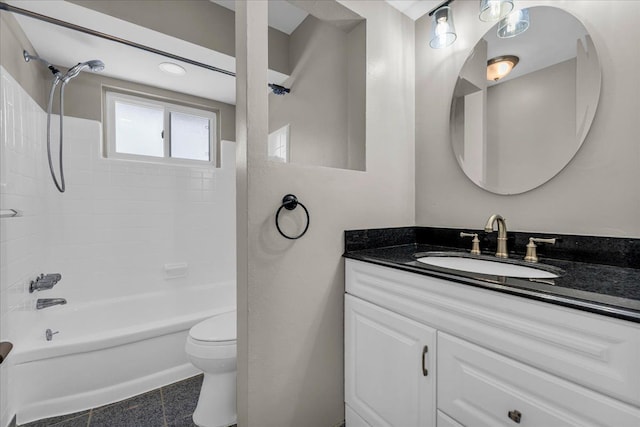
168	406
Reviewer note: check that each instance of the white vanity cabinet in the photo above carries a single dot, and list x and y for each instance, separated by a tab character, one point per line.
491	359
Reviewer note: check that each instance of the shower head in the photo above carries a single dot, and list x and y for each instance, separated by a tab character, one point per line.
279	90
94	65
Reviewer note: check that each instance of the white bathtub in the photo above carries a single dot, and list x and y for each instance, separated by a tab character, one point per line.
108	350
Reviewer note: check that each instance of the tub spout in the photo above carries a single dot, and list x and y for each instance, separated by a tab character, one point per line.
49	302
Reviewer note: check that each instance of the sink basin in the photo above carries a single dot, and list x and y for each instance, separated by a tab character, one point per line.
463	262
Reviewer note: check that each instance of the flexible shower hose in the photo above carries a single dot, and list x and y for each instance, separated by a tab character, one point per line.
59	185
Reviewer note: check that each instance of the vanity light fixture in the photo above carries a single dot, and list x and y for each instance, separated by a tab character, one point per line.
172	68
500	66
494	10
515	23
443	33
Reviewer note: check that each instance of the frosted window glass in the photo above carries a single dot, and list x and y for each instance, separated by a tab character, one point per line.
189	137
139	130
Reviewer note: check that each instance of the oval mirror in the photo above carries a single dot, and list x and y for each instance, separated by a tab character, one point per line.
513	132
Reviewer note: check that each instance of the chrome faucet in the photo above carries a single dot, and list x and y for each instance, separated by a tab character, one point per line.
501	251
49	302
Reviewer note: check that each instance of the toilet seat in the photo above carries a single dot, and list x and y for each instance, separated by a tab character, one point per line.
217	330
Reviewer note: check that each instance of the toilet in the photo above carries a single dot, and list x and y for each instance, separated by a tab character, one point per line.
211	347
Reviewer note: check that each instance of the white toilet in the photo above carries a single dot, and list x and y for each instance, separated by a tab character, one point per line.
211	347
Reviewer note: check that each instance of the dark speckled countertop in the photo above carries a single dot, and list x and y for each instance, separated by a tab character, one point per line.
611	288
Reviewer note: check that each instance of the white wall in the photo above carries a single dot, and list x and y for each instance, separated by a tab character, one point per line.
290	293
596	194
21	238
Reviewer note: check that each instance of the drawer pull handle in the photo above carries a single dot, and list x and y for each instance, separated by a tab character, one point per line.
425	350
515	416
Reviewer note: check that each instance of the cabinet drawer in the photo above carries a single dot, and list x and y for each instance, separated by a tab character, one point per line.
480	388
598	352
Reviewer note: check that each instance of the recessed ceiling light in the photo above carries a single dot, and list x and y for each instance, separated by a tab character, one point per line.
171	68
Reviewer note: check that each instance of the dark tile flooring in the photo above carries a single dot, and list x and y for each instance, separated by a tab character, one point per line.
168	406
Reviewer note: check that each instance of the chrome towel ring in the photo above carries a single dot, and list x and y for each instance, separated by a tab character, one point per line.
290	202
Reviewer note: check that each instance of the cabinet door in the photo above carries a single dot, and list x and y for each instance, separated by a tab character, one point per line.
446	421
389	366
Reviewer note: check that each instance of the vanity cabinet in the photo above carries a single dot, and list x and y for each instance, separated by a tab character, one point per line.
492	359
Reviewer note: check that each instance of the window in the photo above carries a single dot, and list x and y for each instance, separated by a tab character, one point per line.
146	129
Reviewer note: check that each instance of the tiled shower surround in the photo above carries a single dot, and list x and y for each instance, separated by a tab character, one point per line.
21	175
121	228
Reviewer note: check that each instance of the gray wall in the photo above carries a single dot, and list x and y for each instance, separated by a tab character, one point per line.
197	21
596	194
327	72
531	130
290	293
83	98
34	78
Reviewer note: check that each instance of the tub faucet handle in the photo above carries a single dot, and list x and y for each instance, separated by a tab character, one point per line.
49	334
475	243
49	302
44	281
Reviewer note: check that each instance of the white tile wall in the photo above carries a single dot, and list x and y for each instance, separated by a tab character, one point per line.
114	229
120	221
22	247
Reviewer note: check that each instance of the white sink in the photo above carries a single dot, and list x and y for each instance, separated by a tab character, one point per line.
483	266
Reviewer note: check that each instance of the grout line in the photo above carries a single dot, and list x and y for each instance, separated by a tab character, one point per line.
164	414
89	417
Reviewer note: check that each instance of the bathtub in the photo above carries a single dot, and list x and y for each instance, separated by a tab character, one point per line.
108	350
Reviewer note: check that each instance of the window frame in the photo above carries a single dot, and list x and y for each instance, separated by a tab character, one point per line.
112	97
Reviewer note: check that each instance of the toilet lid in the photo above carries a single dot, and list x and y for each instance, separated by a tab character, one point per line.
218	328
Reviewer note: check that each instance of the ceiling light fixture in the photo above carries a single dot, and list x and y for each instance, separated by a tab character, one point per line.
494	10
443	33
500	66
172	68
515	23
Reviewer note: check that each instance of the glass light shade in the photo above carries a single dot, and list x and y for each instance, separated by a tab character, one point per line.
494	10
515	23
172	68
443	33
500	66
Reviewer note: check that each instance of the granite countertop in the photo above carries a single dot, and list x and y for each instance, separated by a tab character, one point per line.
610	290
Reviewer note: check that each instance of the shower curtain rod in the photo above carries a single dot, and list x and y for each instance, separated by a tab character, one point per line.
30	14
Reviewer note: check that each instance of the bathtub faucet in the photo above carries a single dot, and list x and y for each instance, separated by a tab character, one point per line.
44	281
49	302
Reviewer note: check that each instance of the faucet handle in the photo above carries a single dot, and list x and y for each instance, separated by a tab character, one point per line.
532	255
475	243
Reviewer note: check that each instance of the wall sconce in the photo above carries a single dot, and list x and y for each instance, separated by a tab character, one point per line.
500	66
494	10
443	33
515	23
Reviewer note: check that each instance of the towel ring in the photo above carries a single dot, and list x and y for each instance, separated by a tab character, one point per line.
290	202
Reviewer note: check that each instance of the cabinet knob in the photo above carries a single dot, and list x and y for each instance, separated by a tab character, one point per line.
515	416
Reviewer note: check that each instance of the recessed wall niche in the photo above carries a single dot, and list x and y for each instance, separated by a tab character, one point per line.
321	119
